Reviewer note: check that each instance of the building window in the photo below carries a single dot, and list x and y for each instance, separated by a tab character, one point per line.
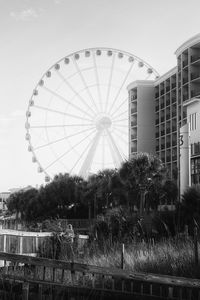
195	171
193	121
195	149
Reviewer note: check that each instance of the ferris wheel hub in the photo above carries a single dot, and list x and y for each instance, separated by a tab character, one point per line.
103	123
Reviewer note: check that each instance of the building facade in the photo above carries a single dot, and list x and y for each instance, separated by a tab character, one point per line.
170	106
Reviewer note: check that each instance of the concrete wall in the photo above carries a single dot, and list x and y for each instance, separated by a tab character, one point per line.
146	119
184	158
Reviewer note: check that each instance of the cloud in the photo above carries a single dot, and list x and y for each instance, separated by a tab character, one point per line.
24	15
57	2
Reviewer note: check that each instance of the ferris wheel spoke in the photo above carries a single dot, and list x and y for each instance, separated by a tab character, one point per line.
121	120
121	87
121	114
85	84
66	101
103	151
61	113
117	109
84	151
61	156
75	92
113	153
121	131
115	148
120	137
97	81
60	126
63	138
121	125
90	156
110	81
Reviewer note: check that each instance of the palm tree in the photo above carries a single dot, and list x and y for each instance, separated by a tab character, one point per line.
142	172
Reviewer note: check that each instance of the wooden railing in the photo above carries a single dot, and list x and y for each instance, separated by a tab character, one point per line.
28	243
21	242
31	271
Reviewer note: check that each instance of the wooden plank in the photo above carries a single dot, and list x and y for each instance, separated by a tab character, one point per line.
117	273
25	291
40	291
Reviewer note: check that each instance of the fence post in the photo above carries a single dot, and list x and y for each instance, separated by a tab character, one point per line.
25	291
4	242
196	257
122	257
21	244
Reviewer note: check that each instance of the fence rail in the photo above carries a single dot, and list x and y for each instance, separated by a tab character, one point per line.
21	242
40	271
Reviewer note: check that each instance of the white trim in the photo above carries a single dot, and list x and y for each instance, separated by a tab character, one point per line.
24	233
191	101
189	43
166	76
140	82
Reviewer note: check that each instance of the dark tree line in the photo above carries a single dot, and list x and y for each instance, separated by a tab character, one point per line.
73	197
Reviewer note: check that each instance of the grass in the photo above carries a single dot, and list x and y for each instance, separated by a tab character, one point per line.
168	257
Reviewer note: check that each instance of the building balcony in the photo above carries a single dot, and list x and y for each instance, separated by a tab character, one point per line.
173	85
168	158
162	146
133	136
133	123
195	149
185	80
162	92
162	105
185	97
195	93
168	130
173	99
195	75
162	119
133	110
174	142
168	144
195	57
185	63
162	132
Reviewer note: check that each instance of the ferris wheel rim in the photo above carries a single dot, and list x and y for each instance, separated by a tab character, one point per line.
93	50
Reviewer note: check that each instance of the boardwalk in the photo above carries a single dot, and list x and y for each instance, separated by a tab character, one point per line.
52	279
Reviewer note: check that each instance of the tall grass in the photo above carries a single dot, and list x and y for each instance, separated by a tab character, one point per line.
168	257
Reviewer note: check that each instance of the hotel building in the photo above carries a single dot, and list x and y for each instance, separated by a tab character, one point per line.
164	116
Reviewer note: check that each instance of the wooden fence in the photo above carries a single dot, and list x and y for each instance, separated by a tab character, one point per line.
21	242
24	242
51	277
18	224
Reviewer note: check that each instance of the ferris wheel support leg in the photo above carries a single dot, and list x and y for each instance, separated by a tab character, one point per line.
90	156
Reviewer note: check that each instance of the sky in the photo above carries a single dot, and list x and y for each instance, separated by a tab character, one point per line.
34	34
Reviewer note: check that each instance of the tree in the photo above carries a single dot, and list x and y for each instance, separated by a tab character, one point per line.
189	208
142	173
23	203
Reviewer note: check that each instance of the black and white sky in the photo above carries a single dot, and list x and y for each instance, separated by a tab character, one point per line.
34	34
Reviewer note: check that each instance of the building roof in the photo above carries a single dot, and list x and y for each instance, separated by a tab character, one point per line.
189	43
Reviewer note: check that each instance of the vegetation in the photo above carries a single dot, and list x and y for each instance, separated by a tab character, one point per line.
73	197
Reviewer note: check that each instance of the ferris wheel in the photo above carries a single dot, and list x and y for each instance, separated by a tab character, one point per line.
77	117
